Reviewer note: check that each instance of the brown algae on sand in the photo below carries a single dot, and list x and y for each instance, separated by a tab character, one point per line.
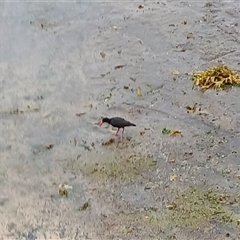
109	142
216	77
196	207
118	167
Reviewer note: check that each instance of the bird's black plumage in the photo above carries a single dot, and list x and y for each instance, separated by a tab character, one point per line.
117	122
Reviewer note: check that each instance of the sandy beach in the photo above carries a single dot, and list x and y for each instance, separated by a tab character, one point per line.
64	65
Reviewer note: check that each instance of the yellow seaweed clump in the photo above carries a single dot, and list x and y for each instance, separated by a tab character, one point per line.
216	77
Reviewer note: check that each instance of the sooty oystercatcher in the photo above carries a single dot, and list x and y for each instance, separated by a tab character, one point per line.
117	122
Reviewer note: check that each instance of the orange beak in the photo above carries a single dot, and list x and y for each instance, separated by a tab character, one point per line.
101	123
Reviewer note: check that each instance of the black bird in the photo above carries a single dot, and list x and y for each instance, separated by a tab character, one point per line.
117	122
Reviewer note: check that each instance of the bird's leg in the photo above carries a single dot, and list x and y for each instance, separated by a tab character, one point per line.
122	132
117	131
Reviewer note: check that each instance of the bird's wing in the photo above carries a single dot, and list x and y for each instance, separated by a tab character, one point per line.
119	118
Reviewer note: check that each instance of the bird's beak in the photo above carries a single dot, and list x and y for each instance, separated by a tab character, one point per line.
101	123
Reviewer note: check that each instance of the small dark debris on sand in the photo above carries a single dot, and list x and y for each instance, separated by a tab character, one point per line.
49	146
84	206
80	114
109	142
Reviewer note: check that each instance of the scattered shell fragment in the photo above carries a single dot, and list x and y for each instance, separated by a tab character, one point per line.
190	36
139	92
90	105
62	189
173	177
175	72
142	132
103	54
140	41
49	146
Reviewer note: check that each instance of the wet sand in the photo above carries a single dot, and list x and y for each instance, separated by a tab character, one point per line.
59	60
